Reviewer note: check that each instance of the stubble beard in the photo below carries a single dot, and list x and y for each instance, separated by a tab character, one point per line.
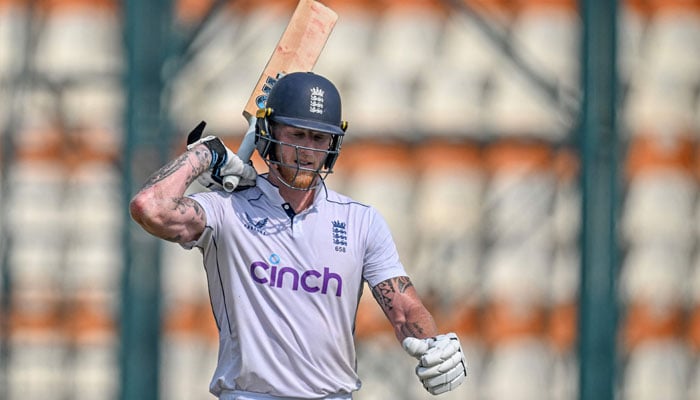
296	178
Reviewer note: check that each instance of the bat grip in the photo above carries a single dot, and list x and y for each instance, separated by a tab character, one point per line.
245	151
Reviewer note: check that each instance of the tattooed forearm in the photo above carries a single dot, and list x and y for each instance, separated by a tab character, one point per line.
384	292
203	160
413	329
203	156
165	171
403	308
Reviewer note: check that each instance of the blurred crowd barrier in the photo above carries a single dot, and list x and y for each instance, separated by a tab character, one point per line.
469	161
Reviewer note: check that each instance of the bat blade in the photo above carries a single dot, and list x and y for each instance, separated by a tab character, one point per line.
298	49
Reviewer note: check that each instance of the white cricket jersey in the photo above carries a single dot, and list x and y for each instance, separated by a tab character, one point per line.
285	288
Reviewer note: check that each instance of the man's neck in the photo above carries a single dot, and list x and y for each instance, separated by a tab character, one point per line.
299	200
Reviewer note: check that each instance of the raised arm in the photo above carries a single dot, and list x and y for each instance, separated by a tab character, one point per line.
404	309
160	206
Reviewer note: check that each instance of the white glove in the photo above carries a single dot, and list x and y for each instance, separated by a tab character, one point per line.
442	366
224	162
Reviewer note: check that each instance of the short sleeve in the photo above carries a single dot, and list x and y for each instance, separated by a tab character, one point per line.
211	204
381	261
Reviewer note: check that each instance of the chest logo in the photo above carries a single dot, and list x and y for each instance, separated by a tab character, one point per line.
340	236
256	226
273	274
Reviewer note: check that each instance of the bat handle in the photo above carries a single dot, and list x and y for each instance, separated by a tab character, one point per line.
245	151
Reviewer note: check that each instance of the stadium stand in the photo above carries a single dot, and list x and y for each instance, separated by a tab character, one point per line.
483	188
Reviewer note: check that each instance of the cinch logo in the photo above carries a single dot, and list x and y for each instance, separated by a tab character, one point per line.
311	281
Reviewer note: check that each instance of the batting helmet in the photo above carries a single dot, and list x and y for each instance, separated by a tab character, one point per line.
306	100
302	100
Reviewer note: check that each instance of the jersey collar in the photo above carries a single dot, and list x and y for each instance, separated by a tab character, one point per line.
272	192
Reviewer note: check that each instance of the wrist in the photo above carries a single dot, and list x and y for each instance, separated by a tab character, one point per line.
217	152
203	157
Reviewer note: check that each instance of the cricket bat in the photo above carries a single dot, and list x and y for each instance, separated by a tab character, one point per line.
298	49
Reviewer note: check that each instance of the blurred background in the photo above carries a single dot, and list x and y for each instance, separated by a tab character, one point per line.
472	126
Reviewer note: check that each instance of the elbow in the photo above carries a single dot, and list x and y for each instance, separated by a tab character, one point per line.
140	209
144	211
151	214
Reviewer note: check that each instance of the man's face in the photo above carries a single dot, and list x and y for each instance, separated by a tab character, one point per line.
304	157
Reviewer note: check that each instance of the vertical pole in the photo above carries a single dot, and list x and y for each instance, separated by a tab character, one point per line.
600	185
146	33
16	87
6	149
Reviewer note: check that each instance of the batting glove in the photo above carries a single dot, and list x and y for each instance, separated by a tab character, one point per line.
441	363
224	162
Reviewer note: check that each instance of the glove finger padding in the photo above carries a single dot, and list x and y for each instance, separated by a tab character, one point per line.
208	182
416	347
205	179
233	165
249	174
441	382
453	377
439	369
442	366
446	387
442	349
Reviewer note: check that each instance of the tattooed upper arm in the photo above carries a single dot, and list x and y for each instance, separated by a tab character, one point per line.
188	206
180	220
188	220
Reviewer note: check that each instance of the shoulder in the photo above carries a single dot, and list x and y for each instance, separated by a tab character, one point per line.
219	203
335	198
218	195
360	213
210	197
